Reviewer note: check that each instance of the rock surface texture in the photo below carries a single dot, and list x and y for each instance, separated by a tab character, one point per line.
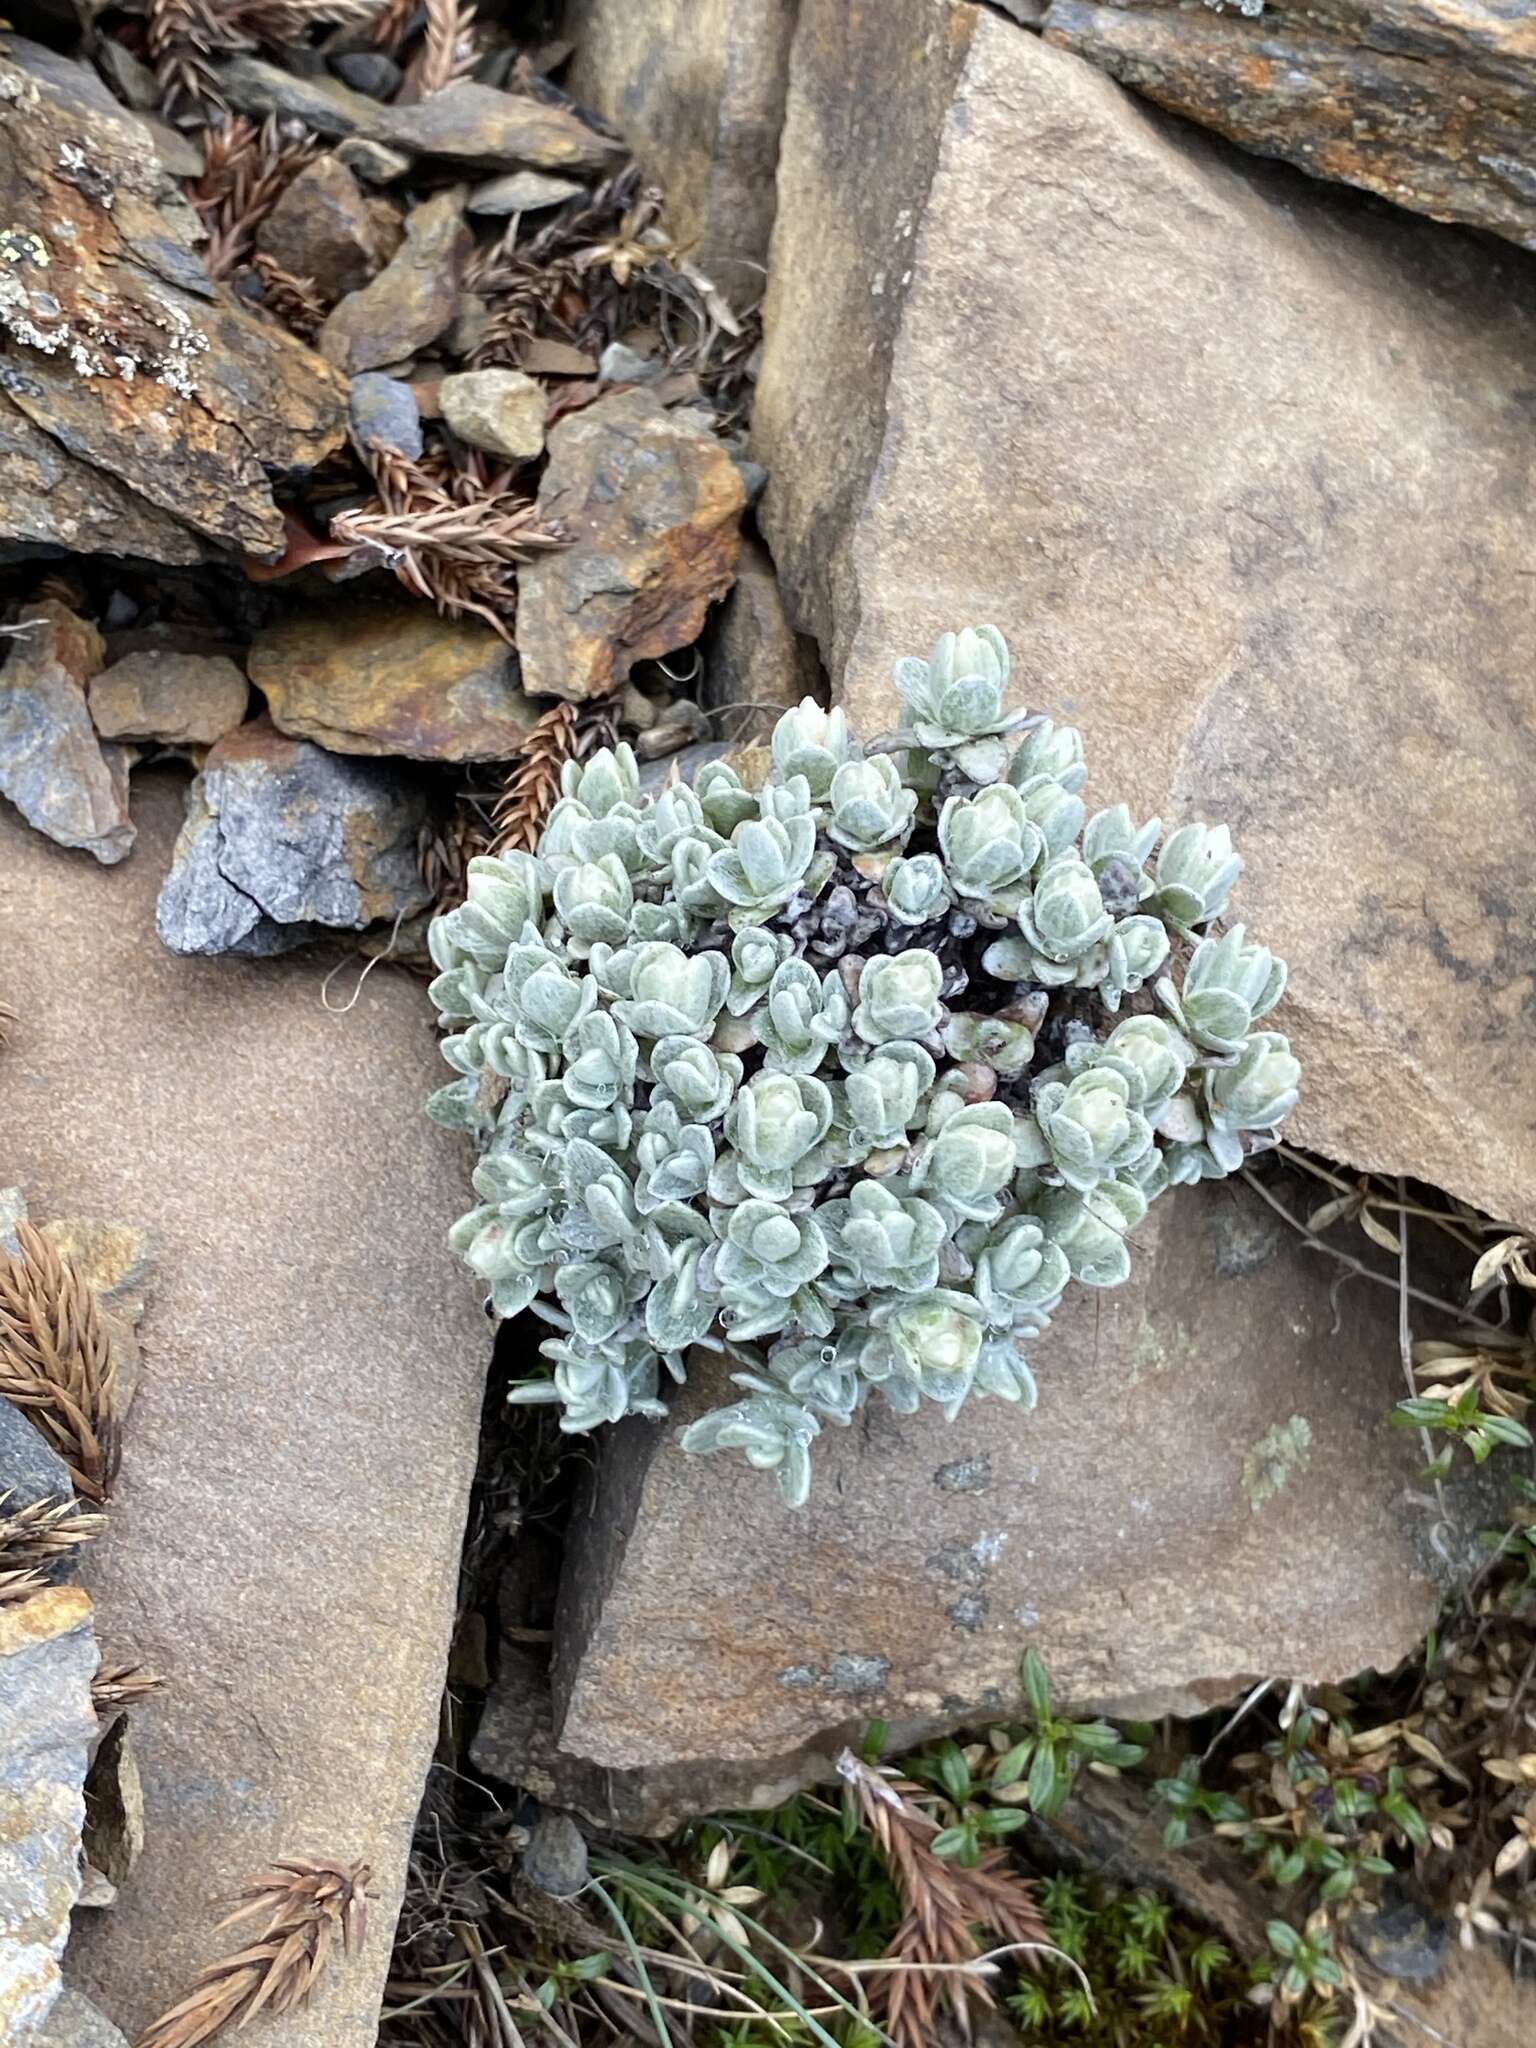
176	699
650	501
411	300
52	766
1431	103
387	676
286	1528
283	840
47	1724
1241	464
696	87
1196	1426
140	410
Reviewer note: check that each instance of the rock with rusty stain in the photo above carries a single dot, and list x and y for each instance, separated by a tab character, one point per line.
1205	454
47	1724
367	675
468	124
178	700
120	351
283	840
412	299
650	502
1431	104
501	411
700	1621
324	229
53	767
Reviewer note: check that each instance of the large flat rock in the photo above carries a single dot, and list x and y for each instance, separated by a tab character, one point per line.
1241	464
1207	1492
285	1534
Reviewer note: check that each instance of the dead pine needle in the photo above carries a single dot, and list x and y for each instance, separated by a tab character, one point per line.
123	1685
451	48
533	785
302	1907
56	1361
945	1903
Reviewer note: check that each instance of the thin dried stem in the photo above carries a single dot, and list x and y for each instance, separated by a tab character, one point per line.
302	1906
533	786
56	1361
945	1903
295	301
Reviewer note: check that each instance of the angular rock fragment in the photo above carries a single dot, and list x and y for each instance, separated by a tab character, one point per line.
75	2023
323	229
120	352
285	1544
411	300
696	87
650	502
1200	458
174	699
1431	105
282	839
52	766
465	124
383	413
47	1661
522	192
701	1621
501	411
372	676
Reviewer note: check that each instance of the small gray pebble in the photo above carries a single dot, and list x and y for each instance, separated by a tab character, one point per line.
383	413
555	1859
368	71
621	365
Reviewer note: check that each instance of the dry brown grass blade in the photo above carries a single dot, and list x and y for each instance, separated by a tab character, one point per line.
181	36
532	787
7	1019
246	170
43	1531
302	1905
294	301
56	1361
19	1586
451	48
123	1685
944	1903
453	534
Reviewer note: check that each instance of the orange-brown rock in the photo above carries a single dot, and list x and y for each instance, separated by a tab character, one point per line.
175	699
1429	103
413	297
365	675
650	502
120	353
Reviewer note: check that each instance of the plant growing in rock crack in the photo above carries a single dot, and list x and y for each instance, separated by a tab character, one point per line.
849	1077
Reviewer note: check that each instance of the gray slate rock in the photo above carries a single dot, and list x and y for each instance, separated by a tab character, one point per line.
382	413
369	72
411	301
47	1724
52	766
556	1856
522	192
75	2023
282	840
30	1470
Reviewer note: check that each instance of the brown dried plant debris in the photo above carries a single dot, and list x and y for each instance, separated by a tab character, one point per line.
452	531
246	170
944	1903
116	1686
56	1361
450	49
533	784
182	37
294	301
302	1906
43	1531
7	1019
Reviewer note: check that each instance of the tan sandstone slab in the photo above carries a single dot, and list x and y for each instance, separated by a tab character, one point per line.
1242	466
285	1535
1207	1492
